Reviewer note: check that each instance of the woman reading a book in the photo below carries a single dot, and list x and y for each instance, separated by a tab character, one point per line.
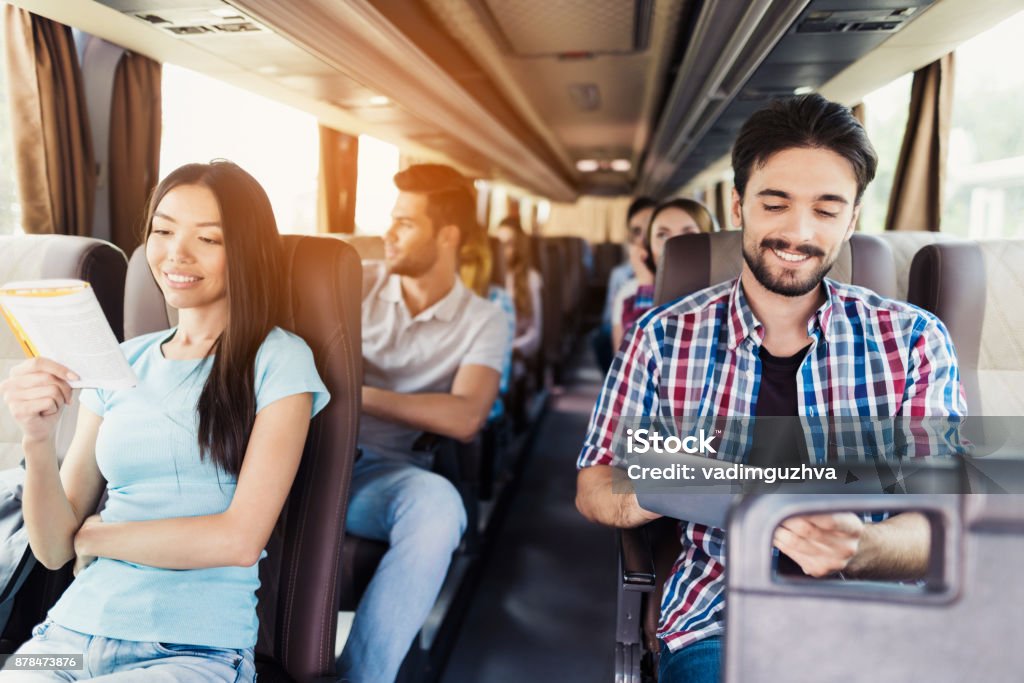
196	460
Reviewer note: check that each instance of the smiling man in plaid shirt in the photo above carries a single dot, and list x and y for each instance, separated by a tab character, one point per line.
780	340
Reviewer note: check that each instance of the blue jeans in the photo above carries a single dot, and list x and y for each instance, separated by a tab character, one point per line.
421	516
697	663
127	661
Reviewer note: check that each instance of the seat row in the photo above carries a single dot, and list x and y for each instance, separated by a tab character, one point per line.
313	568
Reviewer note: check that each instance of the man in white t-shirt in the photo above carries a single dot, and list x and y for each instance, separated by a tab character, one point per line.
432	357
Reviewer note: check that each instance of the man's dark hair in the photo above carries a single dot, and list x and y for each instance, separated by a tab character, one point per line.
807	121
451	198
639	204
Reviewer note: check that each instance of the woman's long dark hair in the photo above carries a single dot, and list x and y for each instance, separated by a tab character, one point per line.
252	246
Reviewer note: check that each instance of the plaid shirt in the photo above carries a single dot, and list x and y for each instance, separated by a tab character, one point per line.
698	356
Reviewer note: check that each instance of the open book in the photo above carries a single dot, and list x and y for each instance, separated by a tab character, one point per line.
62	320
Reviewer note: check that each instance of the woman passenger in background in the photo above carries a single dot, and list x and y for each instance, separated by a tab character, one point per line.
196	459
670	219
524	282
476	265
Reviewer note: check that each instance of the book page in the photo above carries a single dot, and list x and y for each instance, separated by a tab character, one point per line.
69	327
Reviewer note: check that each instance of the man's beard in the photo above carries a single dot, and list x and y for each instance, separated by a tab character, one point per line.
786	284
413	265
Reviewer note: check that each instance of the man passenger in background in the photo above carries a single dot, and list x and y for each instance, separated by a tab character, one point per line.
779	340
432	356
638	215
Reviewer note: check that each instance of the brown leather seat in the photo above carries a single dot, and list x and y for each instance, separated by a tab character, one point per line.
552	257
369	247
607	255
298	597
692	262
976	289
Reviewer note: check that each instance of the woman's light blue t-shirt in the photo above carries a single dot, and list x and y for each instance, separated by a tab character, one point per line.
147	450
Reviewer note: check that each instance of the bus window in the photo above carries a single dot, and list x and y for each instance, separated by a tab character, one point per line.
204	119
984	194
886	113
10	209
375	192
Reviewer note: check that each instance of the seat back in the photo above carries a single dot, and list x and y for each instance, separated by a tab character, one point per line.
607	255
964	625
975	288
904	245
33	257
691	263
369	247
298	596
551	259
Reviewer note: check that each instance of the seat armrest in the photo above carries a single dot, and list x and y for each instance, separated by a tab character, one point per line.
459	462
636	560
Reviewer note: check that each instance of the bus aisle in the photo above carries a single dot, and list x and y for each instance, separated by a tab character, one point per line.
539	613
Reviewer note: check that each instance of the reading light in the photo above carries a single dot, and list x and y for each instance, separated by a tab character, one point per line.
587	165
621	165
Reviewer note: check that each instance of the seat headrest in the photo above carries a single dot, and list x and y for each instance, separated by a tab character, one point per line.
369	247
34	257
691	263
144	308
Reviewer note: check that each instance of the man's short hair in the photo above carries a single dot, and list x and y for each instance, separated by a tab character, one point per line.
808	121
451	198
639	204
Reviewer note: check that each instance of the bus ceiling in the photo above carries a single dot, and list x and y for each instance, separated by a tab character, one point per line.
639	96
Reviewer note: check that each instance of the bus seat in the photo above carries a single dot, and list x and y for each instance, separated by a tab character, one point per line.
369	247
872	631
607	255
692	262
298	596
30	257
552	260
578	276
950	279
904	245
33	257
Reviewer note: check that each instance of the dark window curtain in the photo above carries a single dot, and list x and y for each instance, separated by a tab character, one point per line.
861	114
52	144
722	204
135	125
336	191
483	207
915	202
